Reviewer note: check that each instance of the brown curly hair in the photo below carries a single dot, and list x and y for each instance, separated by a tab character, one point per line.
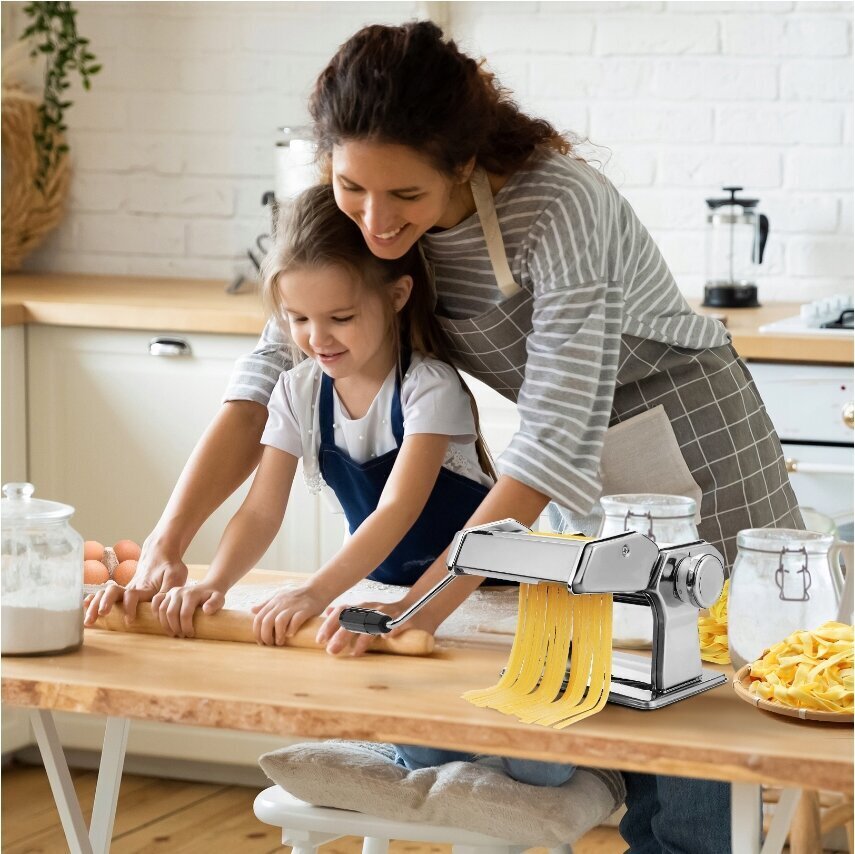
406	85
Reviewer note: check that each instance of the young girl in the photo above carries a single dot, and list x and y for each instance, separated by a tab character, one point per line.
373	408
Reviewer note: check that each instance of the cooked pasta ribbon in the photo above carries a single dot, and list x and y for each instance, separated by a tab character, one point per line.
553	623
808	670
712	630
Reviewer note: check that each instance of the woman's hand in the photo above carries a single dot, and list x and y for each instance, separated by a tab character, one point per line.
101	602
340	641
159	570
175	608
282	614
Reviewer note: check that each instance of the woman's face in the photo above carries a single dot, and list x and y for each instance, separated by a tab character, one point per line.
393	193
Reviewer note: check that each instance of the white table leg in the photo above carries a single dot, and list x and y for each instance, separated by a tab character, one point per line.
109	781
97	840
782	818
60	782
746	818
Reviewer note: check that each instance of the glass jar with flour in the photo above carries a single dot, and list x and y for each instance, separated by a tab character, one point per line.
783	580
664	519
41	575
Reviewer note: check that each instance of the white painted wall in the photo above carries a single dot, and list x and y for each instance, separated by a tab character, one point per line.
173	147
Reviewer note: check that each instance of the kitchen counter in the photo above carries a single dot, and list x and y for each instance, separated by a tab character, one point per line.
202	305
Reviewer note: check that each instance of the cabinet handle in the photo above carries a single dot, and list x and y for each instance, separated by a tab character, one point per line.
796	467
169	347
848	414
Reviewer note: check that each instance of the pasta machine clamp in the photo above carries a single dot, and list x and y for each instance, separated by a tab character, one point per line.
674	581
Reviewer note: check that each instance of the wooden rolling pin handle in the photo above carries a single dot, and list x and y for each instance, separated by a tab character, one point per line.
237	626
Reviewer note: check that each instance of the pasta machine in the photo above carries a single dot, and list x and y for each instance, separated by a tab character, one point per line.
674	581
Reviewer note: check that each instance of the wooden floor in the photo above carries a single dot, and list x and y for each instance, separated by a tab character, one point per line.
156	815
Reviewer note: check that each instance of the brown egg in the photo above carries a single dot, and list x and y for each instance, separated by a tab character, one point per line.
93	550
124	572
94	572
127	550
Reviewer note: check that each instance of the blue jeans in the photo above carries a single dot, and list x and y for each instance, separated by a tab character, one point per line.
675	815
527	771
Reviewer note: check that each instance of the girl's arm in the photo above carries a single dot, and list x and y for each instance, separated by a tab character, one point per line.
507	499
403	499
401	503
247	536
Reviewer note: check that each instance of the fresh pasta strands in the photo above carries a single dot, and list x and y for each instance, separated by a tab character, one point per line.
550	616
712	631
529	625
595	667
808	670
557	623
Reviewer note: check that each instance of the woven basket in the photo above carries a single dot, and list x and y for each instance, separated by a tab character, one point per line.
29	214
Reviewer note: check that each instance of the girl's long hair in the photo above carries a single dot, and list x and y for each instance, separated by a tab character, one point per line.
314	234
406	85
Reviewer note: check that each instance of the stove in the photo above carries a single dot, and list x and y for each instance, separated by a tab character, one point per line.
828	317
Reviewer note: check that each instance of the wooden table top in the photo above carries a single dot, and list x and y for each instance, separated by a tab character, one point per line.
297	692
202	305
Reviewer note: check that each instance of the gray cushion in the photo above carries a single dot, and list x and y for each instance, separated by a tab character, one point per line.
475	796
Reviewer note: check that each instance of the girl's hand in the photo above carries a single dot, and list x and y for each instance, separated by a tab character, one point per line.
282	615
175	608
340	641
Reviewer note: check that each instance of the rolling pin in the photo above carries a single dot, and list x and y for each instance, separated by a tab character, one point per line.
237	626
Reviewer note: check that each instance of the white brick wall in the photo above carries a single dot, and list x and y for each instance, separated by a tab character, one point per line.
173	147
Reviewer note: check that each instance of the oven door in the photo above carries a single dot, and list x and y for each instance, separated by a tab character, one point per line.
822	477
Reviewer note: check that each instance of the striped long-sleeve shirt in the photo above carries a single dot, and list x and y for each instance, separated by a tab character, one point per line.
594	273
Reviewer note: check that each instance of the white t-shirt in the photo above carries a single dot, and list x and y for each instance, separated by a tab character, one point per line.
432	401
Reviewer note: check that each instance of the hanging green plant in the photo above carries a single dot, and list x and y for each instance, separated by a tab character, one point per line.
53	33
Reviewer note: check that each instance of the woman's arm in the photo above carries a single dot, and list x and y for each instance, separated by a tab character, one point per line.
222	460
246	538
507	499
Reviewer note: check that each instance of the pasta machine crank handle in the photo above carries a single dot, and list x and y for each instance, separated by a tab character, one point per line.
367	622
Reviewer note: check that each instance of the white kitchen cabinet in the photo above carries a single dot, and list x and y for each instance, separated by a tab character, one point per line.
14	390
111	427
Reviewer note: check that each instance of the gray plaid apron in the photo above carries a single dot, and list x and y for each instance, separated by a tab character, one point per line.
719	421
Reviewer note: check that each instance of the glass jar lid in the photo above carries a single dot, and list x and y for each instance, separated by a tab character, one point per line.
657	505
18	505
774	540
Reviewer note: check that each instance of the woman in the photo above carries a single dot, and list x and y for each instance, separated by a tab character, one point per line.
555	295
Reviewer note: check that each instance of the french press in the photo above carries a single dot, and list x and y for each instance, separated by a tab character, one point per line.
735	239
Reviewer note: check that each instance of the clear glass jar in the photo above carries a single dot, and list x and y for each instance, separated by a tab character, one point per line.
41	575
662	518
783	580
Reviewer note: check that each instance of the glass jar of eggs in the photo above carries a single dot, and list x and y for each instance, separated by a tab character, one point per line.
42	582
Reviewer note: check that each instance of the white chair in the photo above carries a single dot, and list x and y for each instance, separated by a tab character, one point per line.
305	827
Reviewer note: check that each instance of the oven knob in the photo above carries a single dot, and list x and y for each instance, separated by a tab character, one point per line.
698	580
849	414
792	465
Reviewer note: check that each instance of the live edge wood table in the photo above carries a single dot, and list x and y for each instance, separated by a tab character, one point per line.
296	692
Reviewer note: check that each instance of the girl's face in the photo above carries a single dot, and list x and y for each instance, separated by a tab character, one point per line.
340	322
394	194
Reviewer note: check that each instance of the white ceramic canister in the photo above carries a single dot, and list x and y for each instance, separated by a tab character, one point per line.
783	580
41	575
664	519
296	169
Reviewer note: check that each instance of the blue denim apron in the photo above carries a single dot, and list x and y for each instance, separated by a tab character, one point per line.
358	487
